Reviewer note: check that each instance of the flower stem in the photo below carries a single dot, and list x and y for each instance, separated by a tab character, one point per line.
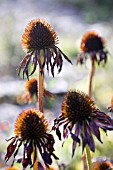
88	156
91	76
40	88
40	84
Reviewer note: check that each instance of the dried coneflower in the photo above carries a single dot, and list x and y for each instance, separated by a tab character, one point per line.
39	37
81	119
31	90
31	131
94	45
104	165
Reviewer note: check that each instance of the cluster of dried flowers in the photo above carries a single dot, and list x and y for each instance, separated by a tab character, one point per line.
79	116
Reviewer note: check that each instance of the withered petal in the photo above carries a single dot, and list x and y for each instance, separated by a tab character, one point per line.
95	129
89	138
58	133
10	149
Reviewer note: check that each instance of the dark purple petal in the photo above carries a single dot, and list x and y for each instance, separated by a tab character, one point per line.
104	126
19	160
65	56
89	138
58	133
65	130
73	148
50	143
103	56
75	138
49	59
54	156
52	68
23	62
65	133
15	153
58	60
84	141
47	158
40	167
58	119
26	67
77	130
29	149
95	129
11	148
25	161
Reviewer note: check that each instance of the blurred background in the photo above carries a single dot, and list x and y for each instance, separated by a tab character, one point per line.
70	19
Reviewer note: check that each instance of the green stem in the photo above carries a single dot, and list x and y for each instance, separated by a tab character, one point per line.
88	156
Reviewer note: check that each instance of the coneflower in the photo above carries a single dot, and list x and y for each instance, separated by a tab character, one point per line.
31	90
39	41
31	131
92	45
39	37
81	119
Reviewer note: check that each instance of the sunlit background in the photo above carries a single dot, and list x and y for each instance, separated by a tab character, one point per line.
70	19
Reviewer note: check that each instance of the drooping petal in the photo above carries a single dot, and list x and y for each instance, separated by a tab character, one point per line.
58	133
65	130
65	56
11	148
89	137
95	129
73	148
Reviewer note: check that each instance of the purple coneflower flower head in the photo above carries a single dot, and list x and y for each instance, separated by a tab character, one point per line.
39	41
81	119
31	89
94	45
31	131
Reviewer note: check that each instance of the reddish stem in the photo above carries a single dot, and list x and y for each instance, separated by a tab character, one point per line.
91	76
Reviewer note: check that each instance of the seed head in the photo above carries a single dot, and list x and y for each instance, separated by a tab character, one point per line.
38	35
30	125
